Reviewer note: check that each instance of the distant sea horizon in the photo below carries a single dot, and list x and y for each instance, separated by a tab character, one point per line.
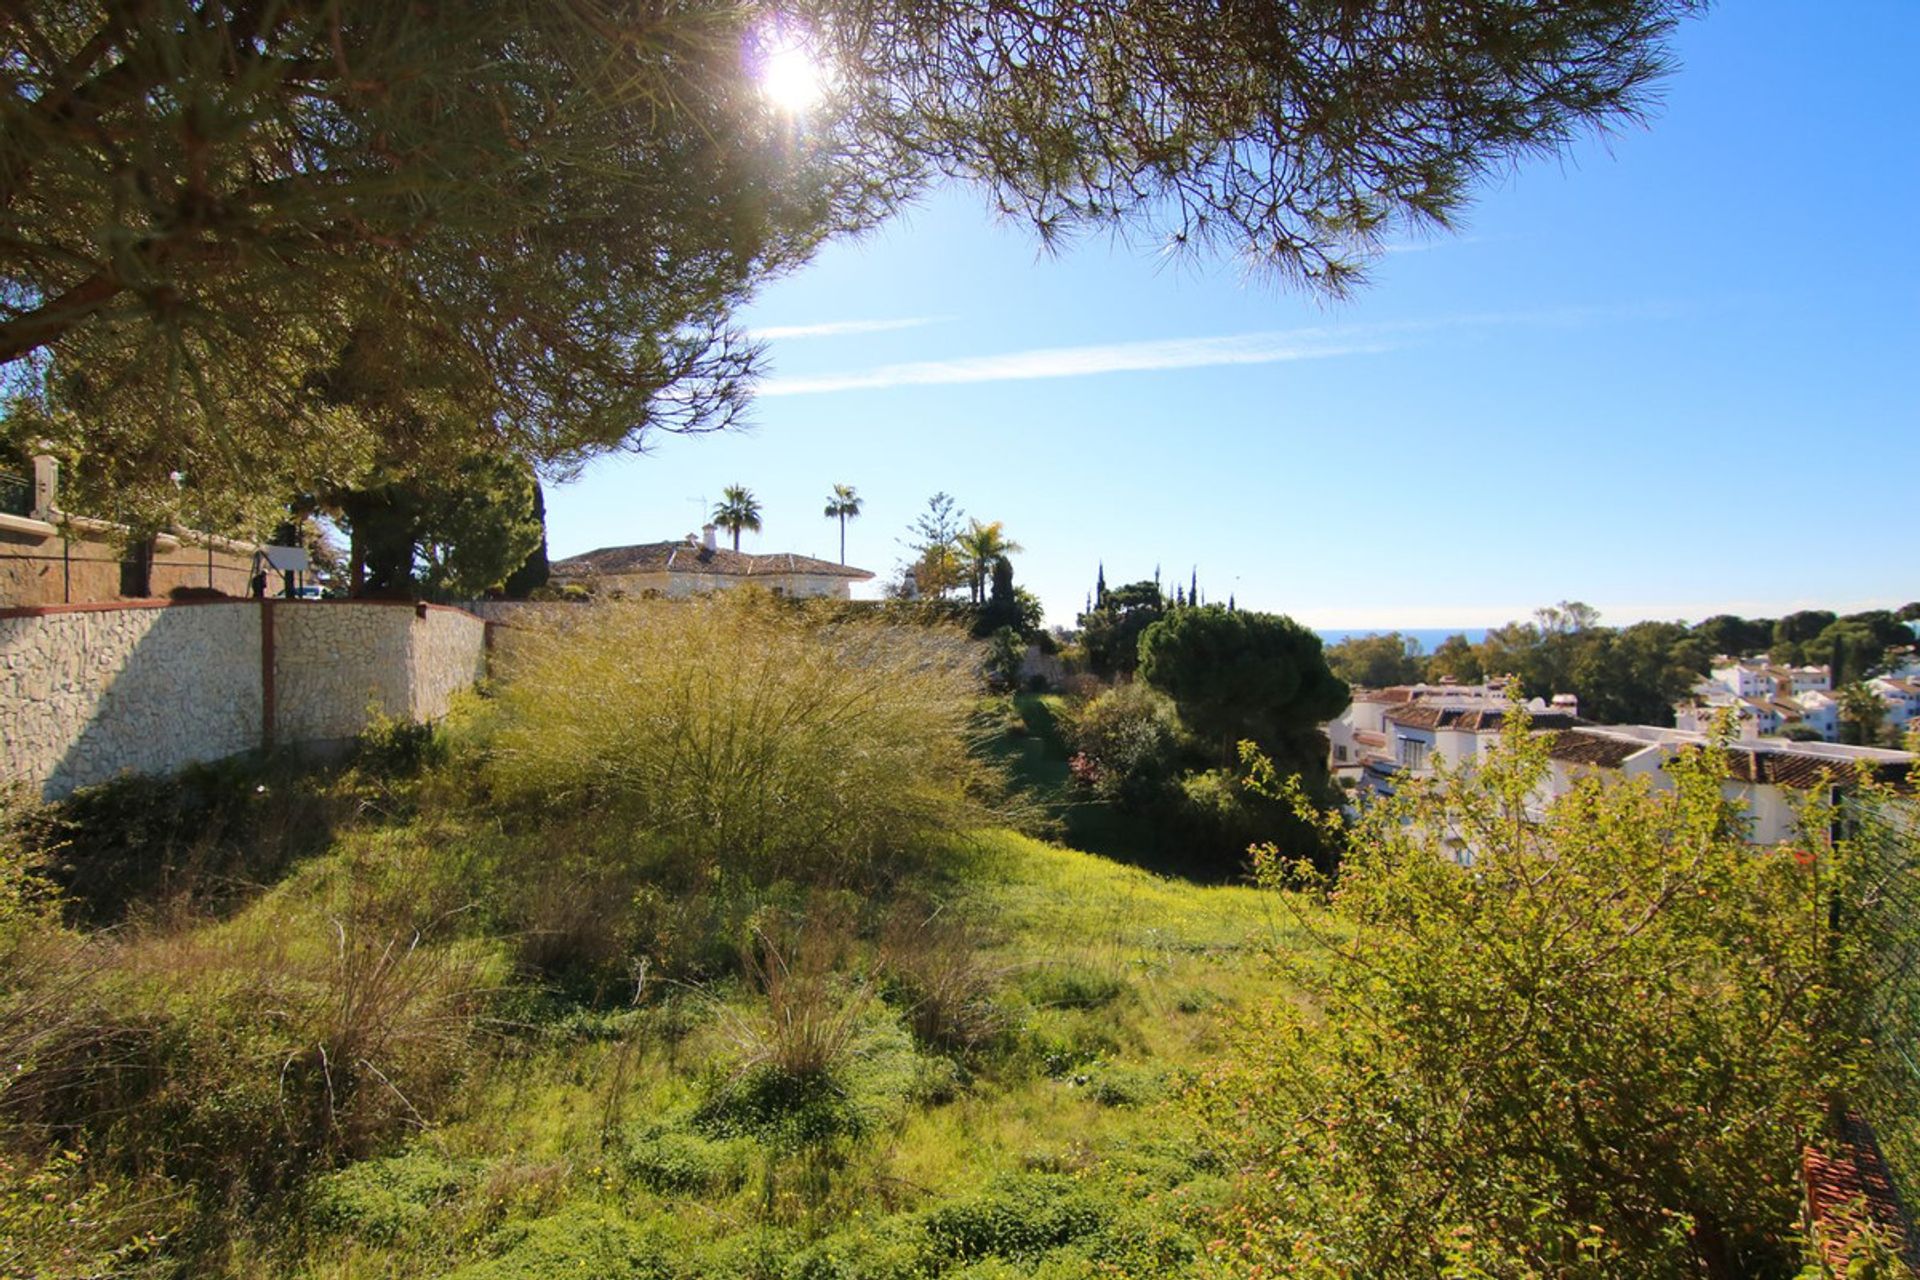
1429	637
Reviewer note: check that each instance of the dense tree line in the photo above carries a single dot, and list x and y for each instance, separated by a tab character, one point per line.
1632	674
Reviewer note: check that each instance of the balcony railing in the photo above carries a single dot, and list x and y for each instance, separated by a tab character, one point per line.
16	495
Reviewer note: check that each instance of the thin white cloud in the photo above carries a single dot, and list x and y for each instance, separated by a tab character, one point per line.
1268	347
1077	362
840	328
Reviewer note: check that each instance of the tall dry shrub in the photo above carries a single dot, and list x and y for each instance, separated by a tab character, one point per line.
745	733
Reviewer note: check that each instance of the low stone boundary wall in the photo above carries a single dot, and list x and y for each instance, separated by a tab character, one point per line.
90	691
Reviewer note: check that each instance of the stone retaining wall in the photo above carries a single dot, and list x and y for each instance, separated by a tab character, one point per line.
87	692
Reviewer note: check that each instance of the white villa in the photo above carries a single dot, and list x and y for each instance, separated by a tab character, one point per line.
695	566
1763	698
1412	726
1901	693
1750	679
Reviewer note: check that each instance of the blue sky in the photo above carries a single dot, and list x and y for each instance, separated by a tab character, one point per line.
1670	375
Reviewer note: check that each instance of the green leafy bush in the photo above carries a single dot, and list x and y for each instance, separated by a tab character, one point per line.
1065	1045
786	1111
675	1161
1220	820
29	899
1051	1224
1128	745
391	747
57	1223
587	1242
1117	1086
741	733
1595	1051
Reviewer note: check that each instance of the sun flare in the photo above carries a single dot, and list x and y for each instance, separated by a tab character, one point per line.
792	79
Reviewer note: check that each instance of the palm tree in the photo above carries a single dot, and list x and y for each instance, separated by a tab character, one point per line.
980	546
843	506
737	509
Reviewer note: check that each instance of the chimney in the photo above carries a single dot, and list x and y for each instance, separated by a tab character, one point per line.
707	537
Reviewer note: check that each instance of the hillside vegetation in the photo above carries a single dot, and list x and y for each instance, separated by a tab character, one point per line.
723	971
717	941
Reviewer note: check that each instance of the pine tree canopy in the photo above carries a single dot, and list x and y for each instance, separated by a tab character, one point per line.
276	246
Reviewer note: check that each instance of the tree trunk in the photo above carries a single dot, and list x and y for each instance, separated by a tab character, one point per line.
356	564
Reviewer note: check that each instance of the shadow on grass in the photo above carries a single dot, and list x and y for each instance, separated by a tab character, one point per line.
208	837
1038	759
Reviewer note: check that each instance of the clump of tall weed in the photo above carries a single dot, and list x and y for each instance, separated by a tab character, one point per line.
389	1037
936	970
235	1058
743	733
576	924
810	1016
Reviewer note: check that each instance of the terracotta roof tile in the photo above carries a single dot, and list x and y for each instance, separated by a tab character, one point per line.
1422	716
1780	766
1476	719
1484	721
1802	770
1399	693
1577	747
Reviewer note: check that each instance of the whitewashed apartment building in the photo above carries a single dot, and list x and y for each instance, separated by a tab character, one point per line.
1763	699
